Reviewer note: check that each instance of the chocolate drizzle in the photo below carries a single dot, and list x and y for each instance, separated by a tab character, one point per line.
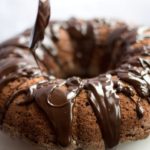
59	108
105	104
42	21
16	63
136	74
139	84
138	77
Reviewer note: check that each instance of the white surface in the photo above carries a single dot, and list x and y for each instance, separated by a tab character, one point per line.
7	143
16	15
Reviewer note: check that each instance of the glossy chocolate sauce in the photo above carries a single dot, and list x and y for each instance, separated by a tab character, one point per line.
41	23
16	63
56	97
137	74
105	104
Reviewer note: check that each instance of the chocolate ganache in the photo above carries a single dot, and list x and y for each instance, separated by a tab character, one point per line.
41	23
57	97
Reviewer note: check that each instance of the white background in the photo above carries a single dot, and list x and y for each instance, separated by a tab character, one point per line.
16	15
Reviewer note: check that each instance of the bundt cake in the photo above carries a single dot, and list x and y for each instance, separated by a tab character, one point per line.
86	86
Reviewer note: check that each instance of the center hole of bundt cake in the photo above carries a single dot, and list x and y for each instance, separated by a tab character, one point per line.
96	65
86	54
93	61
86	57
92	67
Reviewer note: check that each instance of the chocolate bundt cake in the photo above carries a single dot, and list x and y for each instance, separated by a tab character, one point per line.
86	86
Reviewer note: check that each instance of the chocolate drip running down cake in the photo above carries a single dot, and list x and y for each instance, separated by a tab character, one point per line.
85	86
